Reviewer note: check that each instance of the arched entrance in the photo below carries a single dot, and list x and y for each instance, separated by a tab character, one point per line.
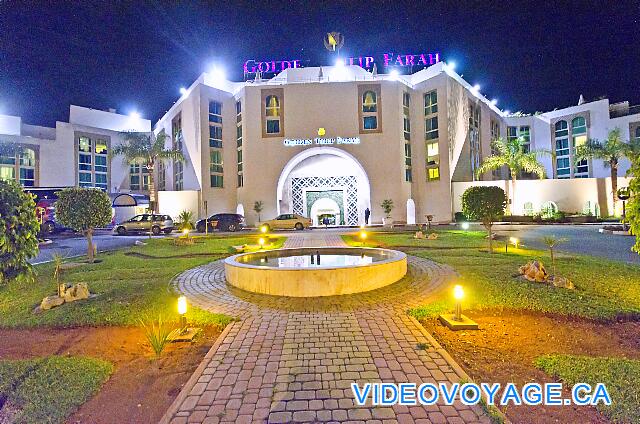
324	173
328	208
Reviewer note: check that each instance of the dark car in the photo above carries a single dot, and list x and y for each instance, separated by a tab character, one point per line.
46	212
222	222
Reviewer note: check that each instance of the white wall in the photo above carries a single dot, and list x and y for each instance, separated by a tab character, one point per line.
107	120
173	202
10	125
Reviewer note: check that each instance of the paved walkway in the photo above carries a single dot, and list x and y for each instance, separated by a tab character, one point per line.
293	360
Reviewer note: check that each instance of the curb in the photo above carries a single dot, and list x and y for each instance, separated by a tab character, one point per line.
195	376
452	362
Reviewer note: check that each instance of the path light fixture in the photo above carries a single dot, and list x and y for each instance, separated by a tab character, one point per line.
363	237
261	242
457	321
184	333
263	229
186	233
464	226
515	241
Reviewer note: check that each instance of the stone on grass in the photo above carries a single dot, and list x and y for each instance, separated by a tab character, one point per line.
432	236
562	282
78	291
534	271
419	235
51	302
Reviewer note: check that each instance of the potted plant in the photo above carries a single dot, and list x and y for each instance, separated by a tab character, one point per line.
387	207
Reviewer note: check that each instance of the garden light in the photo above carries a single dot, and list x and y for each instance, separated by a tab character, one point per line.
263	229
464	225
515	241
261	242
185	232
458	294
363	237
182	310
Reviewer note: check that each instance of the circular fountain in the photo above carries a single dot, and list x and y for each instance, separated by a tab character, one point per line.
315	271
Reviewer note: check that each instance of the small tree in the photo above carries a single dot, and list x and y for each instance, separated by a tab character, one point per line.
19	229
84	209
552	242
258	207
387	207
185	220
511	153
485	204
633	204
610	151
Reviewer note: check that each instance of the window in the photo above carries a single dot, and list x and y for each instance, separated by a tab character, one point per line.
579	137
217	181
92	162
178	166
406	130
406	99
238	111
407	162
139	178
638	132
563	162
272	113
239	135
215	112
525	134
369	101
548	209
430	103
27	167
433	174
239	160
475	151
216	161
431	127
512	133
162	177
215	136
239	142
370	108
496	174
433	161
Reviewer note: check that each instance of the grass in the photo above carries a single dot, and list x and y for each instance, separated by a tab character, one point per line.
48	390
621	377
605	290
130	284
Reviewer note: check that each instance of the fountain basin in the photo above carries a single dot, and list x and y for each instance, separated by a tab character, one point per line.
297	273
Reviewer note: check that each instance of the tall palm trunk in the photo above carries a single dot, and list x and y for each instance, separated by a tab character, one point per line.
152	190
513	192
90	256
614	183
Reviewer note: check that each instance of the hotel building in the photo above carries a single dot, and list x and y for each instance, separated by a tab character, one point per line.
332	140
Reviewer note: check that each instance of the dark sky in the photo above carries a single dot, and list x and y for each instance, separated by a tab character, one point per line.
136	55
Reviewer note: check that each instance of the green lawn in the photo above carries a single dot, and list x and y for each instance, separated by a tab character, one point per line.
131	284
621	376
605	289
48	390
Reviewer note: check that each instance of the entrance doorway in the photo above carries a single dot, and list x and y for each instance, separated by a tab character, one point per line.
326	208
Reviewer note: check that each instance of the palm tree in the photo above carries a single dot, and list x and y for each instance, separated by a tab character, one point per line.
147	150
610	151
511	153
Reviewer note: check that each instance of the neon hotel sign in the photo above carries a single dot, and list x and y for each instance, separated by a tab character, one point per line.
252	66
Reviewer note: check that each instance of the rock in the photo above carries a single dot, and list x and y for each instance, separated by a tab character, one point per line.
140	243
562	282
419	235
534	271
51	302
432	236
78	291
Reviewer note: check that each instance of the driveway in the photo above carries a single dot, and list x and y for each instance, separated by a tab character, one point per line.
583	239
74	245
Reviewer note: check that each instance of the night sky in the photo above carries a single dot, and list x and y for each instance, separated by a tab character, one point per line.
531	56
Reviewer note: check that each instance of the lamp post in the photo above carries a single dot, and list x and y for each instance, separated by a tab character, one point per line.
458	294
182	310
624	194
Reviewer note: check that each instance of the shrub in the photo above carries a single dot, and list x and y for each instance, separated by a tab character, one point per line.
633	205
258	207
185	220
387	207
459	217
84	209
158	334
485	204
19	229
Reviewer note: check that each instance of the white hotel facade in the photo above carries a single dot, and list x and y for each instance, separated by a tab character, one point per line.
329	140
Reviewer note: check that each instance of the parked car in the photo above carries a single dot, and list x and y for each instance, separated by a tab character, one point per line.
141	223
46	212
287	221
222	222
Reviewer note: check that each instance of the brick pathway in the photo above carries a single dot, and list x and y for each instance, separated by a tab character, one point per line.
293	360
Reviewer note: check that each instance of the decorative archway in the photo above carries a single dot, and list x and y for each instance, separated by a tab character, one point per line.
411	212
342	173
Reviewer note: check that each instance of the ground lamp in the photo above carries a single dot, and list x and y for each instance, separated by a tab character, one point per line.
261	242
624	194
363	237
513	241
263	229
464	225
457	321
186	233
184	334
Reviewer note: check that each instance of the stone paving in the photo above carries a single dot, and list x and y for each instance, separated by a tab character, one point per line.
293	360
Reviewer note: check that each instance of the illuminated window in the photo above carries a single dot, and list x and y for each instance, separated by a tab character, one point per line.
369	101
563	161
370	107
433	156
272	113
27	167
475	151
430	103
162	177
579	137
7	167
92	162
406	130
178	166
433	174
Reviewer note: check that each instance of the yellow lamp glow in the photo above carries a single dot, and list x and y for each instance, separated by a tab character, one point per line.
182	305
465	225
261	242
363	235
514	241
185	232
263	229
458	292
